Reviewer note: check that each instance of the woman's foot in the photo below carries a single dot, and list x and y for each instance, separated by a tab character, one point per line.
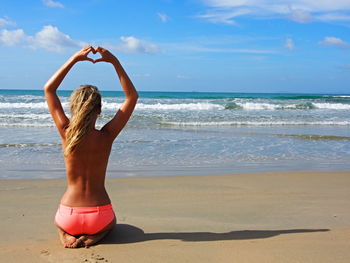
89	240
69	241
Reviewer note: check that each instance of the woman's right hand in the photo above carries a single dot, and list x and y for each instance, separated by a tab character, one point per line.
82	54
106	56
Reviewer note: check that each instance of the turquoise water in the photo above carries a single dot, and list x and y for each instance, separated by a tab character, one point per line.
184	133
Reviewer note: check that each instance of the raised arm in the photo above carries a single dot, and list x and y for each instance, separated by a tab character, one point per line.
54	82
114	126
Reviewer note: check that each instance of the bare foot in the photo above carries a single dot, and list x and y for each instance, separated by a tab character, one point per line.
89	240
67	240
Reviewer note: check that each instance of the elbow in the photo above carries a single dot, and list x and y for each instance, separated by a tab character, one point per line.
48	88
134	96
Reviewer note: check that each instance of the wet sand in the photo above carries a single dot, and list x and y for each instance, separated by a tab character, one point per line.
258	217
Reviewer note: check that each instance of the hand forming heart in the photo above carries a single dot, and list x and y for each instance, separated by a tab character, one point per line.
94	56
106	56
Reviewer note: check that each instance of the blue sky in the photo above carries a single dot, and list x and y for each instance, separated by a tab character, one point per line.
184	45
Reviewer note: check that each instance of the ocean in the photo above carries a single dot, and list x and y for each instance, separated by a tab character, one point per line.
186	133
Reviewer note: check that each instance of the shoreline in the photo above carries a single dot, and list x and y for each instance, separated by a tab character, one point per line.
250	217
159	173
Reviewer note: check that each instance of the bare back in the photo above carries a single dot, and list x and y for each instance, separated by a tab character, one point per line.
86	171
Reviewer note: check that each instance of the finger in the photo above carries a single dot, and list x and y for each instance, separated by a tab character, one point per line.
90	59
99	60
89	49
100	50
84	52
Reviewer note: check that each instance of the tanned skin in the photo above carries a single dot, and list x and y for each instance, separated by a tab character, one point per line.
86	166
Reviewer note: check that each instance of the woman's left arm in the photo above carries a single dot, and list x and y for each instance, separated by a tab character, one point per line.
54	82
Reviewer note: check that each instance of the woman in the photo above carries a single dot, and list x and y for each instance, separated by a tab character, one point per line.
85	214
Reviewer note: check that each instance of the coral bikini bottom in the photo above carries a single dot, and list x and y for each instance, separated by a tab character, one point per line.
84	220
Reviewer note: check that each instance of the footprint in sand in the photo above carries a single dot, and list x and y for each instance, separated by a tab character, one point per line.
96	258
45	252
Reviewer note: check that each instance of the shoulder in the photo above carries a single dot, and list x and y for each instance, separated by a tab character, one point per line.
102	137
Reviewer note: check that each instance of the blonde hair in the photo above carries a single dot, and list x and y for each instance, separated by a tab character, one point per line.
85	102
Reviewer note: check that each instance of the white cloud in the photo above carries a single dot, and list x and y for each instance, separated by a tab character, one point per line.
334	41
134	45
52	39
4	22
302	11
311	5
12	37
300	16
333	17
224	16
51	3
163	17
289	44
49	38
195	48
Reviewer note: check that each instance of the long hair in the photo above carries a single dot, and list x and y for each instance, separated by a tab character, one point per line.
85	102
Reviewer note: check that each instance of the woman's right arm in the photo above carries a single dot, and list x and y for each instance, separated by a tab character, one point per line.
114	126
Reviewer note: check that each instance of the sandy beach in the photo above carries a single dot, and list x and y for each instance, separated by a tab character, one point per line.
258	217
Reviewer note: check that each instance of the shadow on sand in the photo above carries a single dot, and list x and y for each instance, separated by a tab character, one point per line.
123	234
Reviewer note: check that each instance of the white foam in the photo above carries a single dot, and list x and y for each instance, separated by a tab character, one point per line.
184	106
269	106
116	106
32	124
41	116
19	105
181	106
167	107
332	106
258	106
30	105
